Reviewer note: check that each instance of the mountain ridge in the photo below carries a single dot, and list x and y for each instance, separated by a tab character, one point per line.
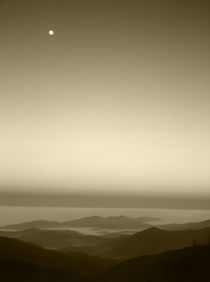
115	222
14	249
155	241
187	264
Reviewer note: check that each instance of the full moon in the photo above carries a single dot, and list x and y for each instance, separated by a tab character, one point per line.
51	32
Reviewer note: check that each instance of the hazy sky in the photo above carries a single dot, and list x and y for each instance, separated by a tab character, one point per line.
117	101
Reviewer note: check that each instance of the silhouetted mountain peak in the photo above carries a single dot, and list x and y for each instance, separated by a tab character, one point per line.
151	230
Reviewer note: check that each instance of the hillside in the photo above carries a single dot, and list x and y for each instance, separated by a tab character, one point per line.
186	265
155	241
21	261
54	239
16	250
16	271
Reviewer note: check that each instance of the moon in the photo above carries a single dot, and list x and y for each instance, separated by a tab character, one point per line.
51	32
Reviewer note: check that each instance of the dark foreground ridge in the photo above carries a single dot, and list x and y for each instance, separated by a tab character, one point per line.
16	271
16	250
186	265
23	262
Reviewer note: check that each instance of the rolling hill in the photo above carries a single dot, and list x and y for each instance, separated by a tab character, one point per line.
155	241
17	271
190	264
54	239
21	261
16	250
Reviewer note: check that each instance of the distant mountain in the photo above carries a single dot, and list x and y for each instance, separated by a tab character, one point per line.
16	250
39	224
185	226
54	239
185	265
110	222
155	241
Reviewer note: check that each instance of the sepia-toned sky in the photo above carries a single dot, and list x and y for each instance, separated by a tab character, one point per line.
116	102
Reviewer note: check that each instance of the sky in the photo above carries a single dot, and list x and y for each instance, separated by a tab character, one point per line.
116	102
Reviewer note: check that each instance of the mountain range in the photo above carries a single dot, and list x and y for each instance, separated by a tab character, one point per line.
150	241
155	241
55	239
184	226
110	222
